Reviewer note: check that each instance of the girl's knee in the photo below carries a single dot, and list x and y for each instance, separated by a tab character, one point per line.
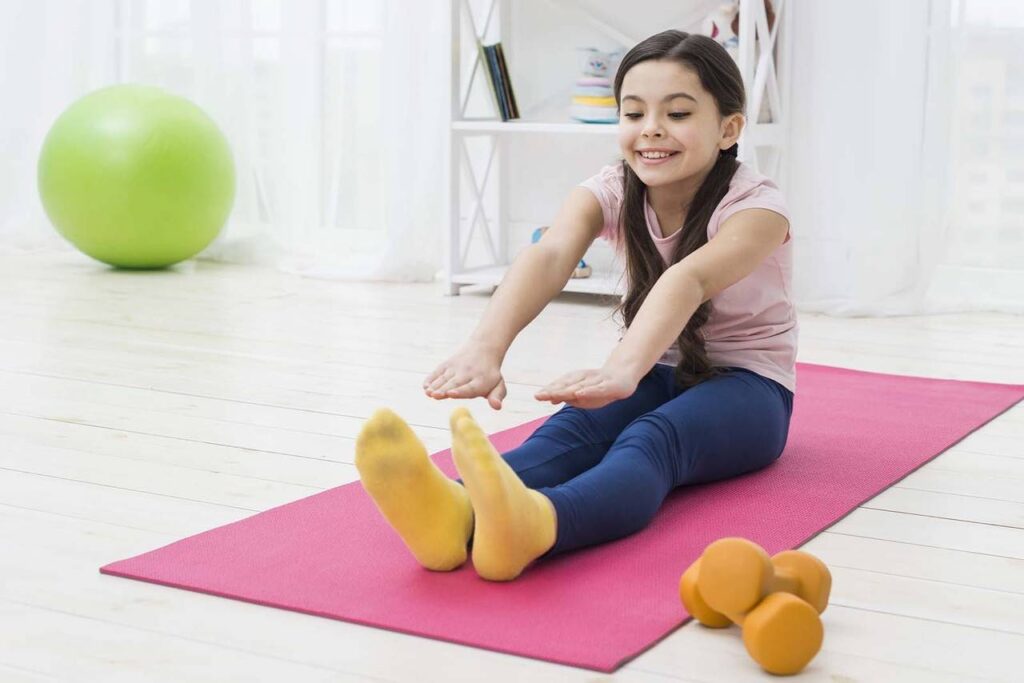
569	421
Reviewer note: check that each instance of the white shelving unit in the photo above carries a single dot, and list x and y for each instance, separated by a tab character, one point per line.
471	216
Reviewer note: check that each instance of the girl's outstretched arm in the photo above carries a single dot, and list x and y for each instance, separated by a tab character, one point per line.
537	275
744	240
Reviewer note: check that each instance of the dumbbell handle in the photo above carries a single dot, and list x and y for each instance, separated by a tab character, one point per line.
738	619
783	582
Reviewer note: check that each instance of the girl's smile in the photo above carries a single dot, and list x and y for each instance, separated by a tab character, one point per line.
654	156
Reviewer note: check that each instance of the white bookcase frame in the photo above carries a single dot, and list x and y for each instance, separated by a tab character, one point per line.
762	144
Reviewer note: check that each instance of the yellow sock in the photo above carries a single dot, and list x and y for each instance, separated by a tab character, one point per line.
429	511
514	525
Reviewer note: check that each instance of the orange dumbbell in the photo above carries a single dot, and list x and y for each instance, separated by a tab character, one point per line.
776	600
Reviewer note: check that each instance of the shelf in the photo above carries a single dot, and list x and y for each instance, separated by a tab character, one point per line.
598	283
520	126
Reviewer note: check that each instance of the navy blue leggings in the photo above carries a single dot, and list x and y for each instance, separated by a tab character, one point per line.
608	470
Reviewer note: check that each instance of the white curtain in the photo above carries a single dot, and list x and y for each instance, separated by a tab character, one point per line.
982	265
905	163
334	110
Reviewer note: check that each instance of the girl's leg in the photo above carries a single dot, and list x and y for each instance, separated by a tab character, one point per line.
573	440
724	427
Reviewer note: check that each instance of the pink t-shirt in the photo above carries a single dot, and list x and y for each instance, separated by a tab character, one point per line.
753	323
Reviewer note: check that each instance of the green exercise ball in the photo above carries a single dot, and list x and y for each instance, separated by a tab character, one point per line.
136	177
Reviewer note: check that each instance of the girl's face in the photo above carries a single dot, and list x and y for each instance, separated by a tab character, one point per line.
669	126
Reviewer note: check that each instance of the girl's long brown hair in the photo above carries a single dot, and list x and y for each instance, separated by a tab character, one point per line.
720	76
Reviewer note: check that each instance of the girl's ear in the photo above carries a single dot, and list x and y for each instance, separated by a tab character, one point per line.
732	126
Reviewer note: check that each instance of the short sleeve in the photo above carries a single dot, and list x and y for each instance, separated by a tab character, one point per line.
606	186
765	195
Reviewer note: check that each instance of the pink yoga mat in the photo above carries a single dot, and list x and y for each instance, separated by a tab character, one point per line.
853	434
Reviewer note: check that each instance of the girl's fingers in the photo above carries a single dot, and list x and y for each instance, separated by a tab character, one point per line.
433	383
550	390
449	385
577	377
582	384
440	380
467	389
593	388
497	395
438	372
453	383
588	394
552	387
566	387
544	394
562	387
561	396
558	387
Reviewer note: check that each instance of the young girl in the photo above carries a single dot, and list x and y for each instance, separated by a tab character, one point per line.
700	387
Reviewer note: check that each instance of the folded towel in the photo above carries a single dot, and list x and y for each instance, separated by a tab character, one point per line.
595	101
594	80
588	114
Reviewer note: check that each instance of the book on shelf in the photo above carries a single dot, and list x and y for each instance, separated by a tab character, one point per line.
494	74
493	58
511	95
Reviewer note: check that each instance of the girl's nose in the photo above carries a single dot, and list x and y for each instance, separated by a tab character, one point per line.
652	130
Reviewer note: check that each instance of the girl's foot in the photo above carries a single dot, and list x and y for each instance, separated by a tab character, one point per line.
514	525
429	511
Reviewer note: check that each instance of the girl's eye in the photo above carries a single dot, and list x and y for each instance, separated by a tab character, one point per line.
675	115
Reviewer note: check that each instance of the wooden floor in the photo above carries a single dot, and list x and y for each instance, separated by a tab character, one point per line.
138	408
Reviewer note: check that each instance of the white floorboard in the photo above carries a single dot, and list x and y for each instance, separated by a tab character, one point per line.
137	408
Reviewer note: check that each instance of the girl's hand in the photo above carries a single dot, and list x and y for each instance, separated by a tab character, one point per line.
589	388
473	371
